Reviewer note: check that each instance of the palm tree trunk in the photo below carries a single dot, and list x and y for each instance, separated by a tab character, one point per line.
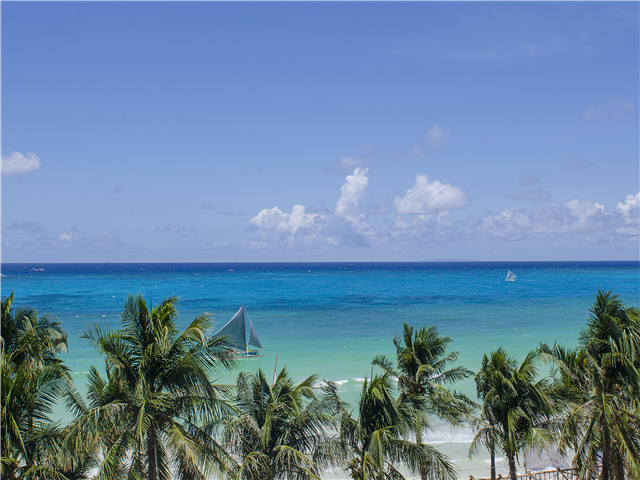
151	453
492	451
423	470
512	466
606	451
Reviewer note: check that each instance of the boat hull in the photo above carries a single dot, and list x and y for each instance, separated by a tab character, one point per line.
240	354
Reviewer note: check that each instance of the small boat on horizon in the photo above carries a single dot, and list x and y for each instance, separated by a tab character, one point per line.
511	277
235	330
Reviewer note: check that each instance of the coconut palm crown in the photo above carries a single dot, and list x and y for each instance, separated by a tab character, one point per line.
148	417
516	407
603	423
33	380
375	442
283	429
423	369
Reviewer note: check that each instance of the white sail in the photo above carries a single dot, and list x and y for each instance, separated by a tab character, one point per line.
253	335
236	332
510	276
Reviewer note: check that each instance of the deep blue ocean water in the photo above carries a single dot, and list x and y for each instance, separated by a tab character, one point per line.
332	318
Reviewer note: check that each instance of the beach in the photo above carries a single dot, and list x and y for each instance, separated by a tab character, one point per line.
331	319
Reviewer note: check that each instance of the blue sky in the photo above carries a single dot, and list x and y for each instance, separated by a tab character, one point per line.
141	132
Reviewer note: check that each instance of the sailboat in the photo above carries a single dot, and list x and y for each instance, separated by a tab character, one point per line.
511	277
237	335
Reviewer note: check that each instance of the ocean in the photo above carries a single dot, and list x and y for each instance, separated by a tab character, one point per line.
332	318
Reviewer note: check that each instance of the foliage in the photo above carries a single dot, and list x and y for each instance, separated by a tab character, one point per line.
33	379
497	363
283	430
603	424
374	442
149	415
516	408
28	338
422	369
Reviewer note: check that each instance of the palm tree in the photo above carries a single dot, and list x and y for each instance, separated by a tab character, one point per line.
282	430
422	369
33	380
498	363
149	415
373	442
602	425
515	408
30	440
29	338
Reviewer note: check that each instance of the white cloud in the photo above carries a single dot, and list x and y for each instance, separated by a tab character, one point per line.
353	192
436	135
276	228
629	208
299	218
584	210
68	237
401	224
510	222
275	220
349	206
428	204
427	197
17	163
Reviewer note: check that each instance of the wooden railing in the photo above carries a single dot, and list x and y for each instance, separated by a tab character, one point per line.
557	474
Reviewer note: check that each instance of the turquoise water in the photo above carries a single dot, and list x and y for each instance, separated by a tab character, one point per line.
331	319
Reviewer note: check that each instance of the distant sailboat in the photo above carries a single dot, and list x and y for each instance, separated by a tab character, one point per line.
511	277
236	332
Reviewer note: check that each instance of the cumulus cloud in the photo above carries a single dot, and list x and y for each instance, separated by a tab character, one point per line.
16	163
349	205
427	197
528	180
512	223
353	192
274	228
575	164
278	221
578	220
629	208
68	237
427	220
522	194
436	135
277	228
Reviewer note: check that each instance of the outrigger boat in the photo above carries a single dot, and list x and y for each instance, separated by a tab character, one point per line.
511	277
236	334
